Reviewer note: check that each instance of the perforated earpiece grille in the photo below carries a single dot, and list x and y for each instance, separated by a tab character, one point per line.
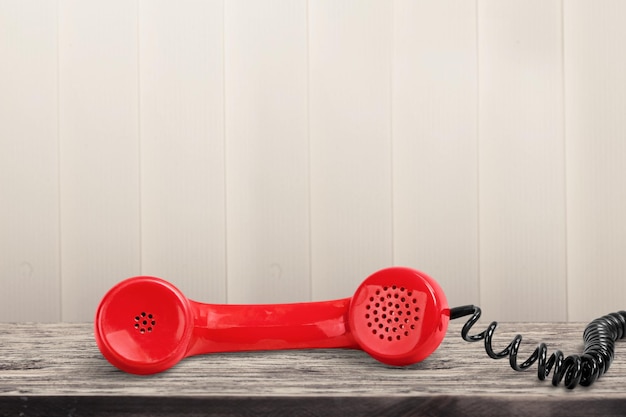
392	312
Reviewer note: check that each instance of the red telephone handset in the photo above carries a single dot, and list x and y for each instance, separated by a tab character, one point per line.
145	325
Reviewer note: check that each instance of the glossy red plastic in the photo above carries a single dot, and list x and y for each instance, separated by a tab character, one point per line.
145	325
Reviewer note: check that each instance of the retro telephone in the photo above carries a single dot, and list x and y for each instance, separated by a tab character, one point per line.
398	315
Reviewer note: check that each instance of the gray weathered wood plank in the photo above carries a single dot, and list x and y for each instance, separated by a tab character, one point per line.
58	369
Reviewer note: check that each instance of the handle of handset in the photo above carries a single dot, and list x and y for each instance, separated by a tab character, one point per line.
231	328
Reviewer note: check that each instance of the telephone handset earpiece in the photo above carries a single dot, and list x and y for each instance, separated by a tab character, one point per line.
145	325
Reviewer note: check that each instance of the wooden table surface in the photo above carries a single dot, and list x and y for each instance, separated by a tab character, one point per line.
56	369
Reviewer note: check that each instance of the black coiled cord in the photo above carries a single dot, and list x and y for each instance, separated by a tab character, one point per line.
598	353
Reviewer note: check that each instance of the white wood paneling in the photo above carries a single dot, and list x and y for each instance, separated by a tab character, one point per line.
29	186
98	150
266	151
521	154
435	143
595	85
350	49
280	150
182	145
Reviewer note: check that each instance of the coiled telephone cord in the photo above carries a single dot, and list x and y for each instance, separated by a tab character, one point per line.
599	349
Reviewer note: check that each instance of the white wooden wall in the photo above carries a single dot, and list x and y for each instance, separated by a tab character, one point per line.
283	150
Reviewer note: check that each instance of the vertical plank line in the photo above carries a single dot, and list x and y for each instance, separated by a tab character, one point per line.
478	207
225	148
391	136
308	138
59	183
139	138
565	162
